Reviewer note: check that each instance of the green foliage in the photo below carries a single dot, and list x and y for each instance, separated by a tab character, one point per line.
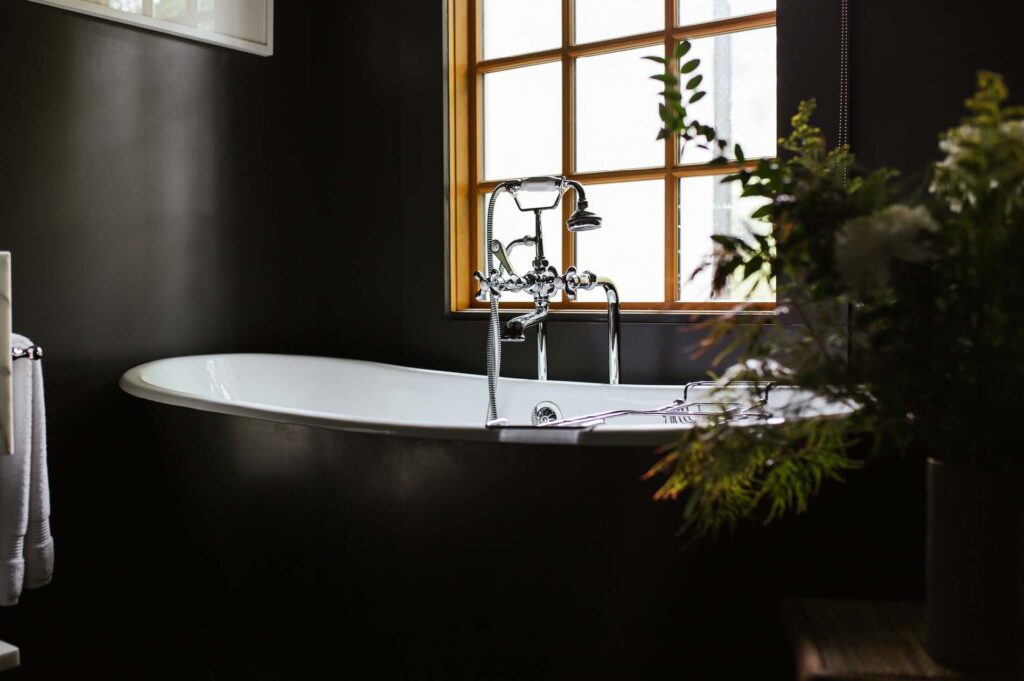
729	473
912	309
674	116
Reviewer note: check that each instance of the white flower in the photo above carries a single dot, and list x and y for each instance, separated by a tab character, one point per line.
956	144
867	246
1013	129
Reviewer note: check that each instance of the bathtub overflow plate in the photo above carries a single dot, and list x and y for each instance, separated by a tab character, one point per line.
545	412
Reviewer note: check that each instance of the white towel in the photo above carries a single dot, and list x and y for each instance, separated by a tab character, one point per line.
26	547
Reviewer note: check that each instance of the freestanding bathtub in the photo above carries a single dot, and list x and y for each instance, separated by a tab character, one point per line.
377	398
338	517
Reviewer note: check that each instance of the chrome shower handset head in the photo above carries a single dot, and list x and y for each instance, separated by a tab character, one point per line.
547	183
582	220
549	188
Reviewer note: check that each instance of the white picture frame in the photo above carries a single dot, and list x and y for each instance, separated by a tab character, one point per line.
265	48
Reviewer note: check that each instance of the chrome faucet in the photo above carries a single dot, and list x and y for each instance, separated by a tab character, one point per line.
542	281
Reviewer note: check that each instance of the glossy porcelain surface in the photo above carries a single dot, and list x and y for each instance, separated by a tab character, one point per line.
371	397
381	398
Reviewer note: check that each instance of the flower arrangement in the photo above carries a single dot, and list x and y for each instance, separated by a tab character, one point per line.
908	306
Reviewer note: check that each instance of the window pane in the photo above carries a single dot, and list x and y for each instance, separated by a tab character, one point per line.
523	122
130	6
616	111
699	11
629	248
603	19
510	223
171	10
706	207
520	26
739	77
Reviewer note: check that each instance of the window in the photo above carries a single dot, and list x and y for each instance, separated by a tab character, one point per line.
560	87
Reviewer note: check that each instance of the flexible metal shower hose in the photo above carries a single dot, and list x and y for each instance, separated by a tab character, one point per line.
493	328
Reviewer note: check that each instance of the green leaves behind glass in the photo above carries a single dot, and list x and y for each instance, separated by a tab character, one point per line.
672	112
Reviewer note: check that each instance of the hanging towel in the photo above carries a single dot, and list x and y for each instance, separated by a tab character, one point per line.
26	547
38	542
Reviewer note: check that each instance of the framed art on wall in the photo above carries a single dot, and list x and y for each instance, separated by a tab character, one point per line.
246	25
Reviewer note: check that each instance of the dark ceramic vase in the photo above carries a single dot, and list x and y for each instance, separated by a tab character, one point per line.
975	566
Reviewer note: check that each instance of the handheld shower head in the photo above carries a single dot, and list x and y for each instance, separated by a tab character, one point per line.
583	221
537	193
547	183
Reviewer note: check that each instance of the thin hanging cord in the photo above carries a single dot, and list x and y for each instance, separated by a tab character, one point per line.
844	78
844	130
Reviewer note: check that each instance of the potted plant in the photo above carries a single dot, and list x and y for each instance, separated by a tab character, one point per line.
909	308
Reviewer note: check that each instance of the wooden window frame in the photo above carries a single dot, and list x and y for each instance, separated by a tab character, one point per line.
466	70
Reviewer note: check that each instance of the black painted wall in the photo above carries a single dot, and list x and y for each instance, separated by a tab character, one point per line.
914	63
156	194
164	197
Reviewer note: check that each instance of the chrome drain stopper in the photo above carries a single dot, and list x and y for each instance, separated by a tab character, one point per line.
545	412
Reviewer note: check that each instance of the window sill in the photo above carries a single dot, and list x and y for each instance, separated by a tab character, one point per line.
628	316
